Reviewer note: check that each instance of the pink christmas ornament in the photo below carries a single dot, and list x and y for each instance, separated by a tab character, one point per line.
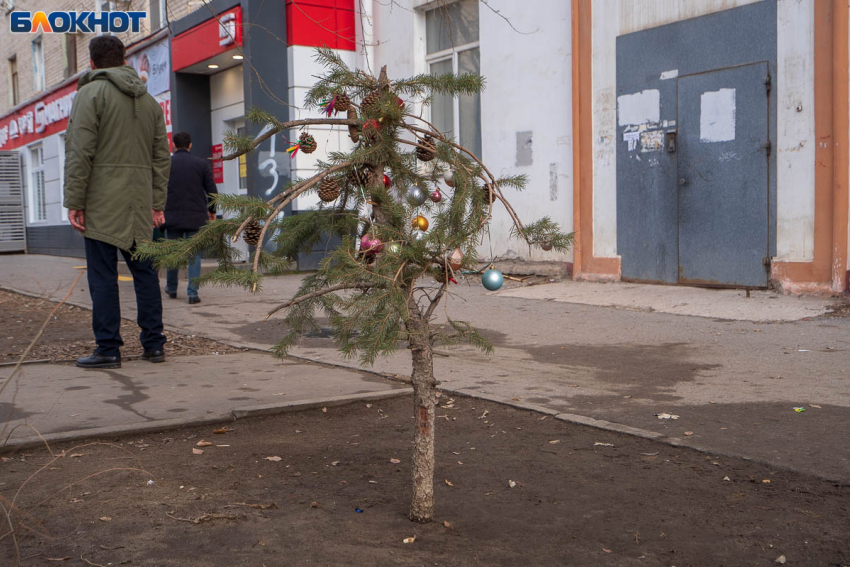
371	244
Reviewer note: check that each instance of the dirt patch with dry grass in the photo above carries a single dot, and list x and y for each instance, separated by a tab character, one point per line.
69	333
331	488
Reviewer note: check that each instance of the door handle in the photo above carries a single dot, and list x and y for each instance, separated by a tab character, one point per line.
682	182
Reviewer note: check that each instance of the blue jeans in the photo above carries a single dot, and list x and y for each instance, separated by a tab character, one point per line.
194	266
102	272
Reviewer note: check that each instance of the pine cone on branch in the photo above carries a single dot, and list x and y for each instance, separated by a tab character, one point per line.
328	190
307	143
362	175
427	149
371	102
251	233
343	102
353	131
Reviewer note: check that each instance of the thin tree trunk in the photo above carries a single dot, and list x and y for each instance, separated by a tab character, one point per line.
424	402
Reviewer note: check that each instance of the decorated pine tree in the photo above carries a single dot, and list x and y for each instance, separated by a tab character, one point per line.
398	231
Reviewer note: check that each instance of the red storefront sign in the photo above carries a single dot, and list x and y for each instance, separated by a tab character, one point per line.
217	164
316	23
207	39
164	101
37	120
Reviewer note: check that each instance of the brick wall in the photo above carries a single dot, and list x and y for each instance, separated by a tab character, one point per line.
19	45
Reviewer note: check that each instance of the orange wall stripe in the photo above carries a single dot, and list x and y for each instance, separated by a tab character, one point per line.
841	157
824	138
574	26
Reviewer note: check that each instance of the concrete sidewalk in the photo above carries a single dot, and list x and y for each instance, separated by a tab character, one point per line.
612	352
60	398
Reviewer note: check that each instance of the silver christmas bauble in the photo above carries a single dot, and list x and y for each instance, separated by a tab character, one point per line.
492	279
418	235
416	195
546	245
393	248
448	177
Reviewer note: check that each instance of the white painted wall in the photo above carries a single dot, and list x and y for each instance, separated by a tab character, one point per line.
795	174
303	70
795	136
528	89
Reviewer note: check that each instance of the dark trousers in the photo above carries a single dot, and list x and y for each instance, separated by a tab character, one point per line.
194	267
102	262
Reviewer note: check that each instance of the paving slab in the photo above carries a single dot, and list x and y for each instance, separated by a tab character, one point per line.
731	304
61	398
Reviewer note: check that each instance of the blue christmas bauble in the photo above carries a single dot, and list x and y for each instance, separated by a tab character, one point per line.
492	279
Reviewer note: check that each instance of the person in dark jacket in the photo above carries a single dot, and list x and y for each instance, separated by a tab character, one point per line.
189	206
116	175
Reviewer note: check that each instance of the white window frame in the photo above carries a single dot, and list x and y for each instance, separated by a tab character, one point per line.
62	176
452	54
39	78
37	209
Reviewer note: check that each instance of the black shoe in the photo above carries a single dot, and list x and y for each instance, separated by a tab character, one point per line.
154	355
171	294
194	299
97	360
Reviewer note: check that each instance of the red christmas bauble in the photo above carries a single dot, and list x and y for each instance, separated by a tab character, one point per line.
436	196
387	181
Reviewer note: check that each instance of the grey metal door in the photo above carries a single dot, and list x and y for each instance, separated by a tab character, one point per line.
723	177
12	228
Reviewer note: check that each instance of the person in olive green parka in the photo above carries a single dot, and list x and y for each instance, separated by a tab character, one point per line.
116	182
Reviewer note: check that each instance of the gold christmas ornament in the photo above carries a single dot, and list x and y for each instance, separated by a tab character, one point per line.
420	223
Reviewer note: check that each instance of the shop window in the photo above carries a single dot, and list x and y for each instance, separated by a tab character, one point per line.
69	55
37	65
14	94
452	47
38	197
